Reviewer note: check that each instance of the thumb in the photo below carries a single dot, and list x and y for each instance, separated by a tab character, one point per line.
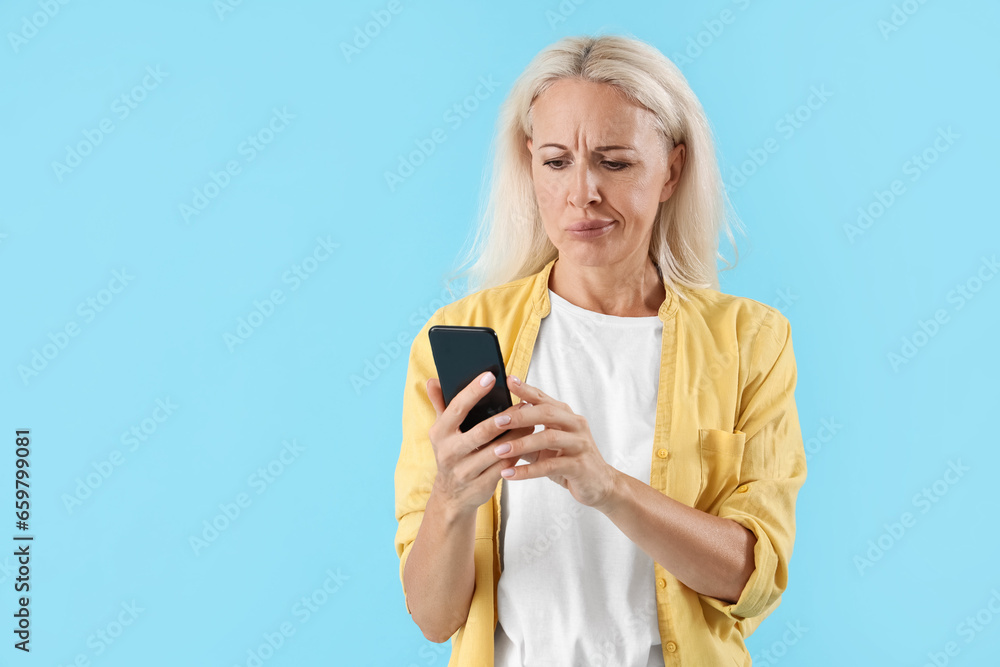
433	387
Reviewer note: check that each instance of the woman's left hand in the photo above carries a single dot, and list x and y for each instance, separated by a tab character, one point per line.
564	451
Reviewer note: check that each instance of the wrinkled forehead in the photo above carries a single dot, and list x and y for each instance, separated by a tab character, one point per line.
579	114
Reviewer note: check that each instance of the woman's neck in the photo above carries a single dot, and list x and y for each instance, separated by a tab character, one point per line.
611	289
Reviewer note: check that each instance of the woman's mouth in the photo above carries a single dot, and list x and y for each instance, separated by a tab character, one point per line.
591	233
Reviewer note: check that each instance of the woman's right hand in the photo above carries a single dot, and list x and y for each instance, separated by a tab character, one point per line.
467	472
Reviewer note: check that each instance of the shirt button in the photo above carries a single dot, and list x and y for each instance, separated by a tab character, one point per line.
743	489
662	453
671	647
662	583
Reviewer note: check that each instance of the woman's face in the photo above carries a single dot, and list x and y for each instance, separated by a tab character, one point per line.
598	160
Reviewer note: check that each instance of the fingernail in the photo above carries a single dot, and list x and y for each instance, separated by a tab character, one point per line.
516	379
507	472
502	419
501	449
486	379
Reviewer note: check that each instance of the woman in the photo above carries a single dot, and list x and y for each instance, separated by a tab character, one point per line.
662	409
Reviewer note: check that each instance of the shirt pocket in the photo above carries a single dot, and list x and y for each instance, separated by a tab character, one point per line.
721	454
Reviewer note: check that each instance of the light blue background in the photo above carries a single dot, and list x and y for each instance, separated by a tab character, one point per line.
331	507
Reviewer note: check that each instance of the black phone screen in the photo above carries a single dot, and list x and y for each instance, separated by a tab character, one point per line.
461	354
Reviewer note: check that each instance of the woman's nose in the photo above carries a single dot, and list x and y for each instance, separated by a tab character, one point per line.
584	188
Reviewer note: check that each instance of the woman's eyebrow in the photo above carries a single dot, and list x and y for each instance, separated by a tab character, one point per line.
598	149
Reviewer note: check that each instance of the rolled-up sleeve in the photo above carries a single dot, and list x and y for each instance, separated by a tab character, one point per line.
772	471
416	467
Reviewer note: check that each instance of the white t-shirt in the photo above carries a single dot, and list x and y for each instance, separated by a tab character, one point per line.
574	589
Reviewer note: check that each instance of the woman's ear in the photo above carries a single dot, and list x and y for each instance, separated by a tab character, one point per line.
675	165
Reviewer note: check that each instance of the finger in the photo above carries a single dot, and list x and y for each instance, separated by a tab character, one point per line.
527	392
491	431
543	468
530	457
552	415
433	388
459	407
496	471
507	436
480	462
553	439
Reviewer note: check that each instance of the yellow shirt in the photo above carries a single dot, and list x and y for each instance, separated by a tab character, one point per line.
727	442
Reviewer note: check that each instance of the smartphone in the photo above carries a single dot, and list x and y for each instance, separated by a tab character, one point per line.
460	355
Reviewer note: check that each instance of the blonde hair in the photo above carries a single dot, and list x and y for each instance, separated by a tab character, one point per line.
510	240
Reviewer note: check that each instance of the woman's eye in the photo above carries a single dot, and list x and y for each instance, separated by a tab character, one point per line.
613	166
